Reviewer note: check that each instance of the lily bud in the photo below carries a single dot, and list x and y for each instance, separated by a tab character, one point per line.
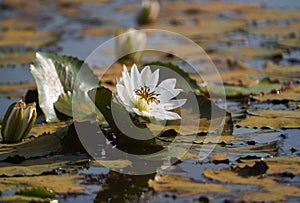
148	12
18	121
130	44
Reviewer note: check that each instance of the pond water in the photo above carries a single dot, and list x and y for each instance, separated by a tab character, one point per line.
104	185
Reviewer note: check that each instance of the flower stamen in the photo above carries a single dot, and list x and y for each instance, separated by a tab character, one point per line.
149	97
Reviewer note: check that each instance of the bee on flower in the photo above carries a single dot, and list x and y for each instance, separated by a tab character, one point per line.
140	93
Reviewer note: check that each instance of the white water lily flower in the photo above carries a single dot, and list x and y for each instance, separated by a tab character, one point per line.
140	94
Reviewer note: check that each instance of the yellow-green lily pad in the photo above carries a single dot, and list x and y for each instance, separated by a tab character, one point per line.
19	23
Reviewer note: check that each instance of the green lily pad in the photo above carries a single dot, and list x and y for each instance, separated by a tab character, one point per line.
179	186
262	86
58	83
38	147
36	192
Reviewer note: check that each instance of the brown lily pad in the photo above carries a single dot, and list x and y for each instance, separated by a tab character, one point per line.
57	183
275	14
28	38
182	186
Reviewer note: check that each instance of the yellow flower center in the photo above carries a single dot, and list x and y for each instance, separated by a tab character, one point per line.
149	97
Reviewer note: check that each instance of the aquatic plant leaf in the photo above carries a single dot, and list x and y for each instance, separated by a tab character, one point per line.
273	119
36	192
19	23
292	29
52	164
289	43
262	86
27	38
57	76
193	84
272	14
182	186
206	29
271	190
16	90
112	164
242	53
13	58
271	113
57	183
38	147
283	164
20	198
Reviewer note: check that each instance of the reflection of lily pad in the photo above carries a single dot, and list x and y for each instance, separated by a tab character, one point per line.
182	186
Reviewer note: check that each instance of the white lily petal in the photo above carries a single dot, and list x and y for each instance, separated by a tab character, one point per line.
135	77
126	79
164	115
137	111
145	75
122	93
173	104
168	94
166	85
152	82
